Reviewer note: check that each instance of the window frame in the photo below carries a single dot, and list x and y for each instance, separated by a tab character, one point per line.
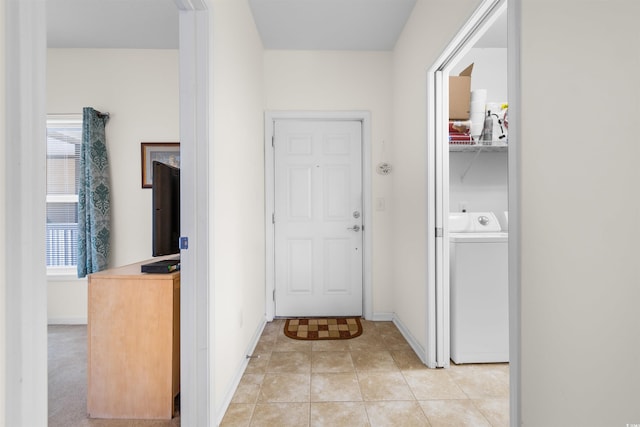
62	272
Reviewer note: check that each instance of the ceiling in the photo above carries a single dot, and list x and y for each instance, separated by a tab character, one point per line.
282	24
330	24
125	24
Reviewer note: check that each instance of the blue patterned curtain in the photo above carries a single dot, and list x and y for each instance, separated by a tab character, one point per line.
94	205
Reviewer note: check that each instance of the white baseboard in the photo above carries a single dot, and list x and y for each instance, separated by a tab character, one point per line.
242	365
67	321
382	317
415	345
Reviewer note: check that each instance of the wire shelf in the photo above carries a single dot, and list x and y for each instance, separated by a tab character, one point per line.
478	147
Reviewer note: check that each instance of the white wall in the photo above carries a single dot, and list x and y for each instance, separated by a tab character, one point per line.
489	71
580	202
139	88
484	187
3	199
237	211
430	28
345	80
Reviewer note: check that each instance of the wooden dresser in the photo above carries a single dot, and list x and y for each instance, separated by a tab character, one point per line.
133	343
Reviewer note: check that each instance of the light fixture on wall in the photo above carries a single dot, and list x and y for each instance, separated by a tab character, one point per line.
384	168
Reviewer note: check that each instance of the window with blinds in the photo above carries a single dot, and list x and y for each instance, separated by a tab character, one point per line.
64	135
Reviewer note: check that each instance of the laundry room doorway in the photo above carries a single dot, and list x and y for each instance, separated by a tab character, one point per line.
438	194
478	201
438	146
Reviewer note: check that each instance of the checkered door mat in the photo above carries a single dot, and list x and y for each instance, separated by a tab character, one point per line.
331	328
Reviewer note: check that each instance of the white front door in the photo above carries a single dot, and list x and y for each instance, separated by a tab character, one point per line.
318	218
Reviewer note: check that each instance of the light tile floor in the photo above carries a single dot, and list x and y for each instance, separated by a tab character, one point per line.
373	380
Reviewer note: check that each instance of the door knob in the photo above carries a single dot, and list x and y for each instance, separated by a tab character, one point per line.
354	228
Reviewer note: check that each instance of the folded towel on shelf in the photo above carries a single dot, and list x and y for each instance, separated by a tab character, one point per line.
460	126
459	132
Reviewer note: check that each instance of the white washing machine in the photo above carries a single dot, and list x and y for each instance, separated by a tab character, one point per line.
479	294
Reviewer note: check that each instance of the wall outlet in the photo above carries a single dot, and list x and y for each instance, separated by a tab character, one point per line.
380	204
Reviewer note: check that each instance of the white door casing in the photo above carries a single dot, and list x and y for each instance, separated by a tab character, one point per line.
26	304
318	218
437	339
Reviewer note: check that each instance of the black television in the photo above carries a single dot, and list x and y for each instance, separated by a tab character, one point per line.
166	209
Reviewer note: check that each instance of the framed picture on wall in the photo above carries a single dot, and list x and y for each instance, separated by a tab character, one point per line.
164	152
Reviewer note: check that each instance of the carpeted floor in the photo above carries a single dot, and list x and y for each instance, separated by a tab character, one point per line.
68	382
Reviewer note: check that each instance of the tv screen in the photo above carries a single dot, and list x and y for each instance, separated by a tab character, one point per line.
166	209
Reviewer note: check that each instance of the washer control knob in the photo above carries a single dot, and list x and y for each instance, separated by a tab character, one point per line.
484	220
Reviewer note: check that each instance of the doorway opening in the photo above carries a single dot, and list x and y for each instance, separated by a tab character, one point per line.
438	304
26	303
476	187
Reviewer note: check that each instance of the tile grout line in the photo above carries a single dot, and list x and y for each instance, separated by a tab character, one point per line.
310	379
355	370
481	412
452	378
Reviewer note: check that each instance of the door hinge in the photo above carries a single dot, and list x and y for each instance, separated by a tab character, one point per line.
273	218
273	141
274	295
439	232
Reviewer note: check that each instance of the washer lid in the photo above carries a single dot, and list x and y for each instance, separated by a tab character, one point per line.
459	222
473	222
